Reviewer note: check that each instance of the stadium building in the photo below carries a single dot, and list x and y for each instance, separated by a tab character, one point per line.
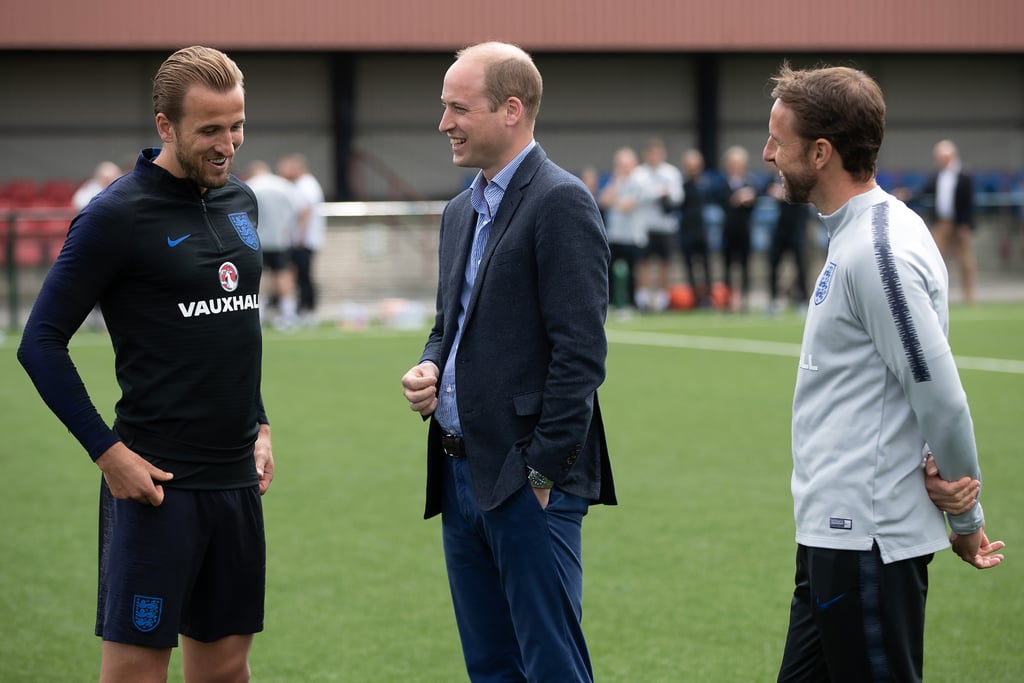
355	86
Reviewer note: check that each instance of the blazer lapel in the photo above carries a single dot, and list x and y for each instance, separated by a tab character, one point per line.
506	211
464	222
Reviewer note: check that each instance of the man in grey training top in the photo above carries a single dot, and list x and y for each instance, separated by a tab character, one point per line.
876	389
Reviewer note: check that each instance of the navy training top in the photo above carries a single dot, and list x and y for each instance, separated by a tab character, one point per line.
176	274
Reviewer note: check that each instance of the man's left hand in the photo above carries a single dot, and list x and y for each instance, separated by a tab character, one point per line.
952	497
976	550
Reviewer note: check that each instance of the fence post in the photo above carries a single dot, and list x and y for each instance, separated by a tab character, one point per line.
12	274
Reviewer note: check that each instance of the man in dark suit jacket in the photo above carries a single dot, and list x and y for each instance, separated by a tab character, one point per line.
953	225
516	450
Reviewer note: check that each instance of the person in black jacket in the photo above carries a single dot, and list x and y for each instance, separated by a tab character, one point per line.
953	221
737	194
789	235
693	238
171	254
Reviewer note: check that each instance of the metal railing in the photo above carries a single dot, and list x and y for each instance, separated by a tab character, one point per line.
378	250
373	251
30	239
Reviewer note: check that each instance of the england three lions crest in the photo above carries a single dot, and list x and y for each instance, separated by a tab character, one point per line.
146	612
245	229
824	282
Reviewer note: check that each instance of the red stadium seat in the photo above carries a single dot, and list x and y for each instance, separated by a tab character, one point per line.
39	241
28	251
58	192
22	192
52	235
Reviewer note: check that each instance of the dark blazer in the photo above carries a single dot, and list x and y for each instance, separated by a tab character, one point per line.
963	198
533	346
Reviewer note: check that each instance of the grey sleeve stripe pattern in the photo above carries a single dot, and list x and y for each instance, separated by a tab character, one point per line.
894	293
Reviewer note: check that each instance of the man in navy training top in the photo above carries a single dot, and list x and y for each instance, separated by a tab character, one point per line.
171	255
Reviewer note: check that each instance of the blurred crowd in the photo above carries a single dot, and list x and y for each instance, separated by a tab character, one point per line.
660	216
687	236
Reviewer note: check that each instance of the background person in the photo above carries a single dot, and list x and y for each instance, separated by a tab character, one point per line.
876	388
789	236
181	524
105	173
737	196
953	226
626	236
310	234
280	206
660	185
693	235
517	454
591	178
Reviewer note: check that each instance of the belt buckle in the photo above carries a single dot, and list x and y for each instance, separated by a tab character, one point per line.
457	449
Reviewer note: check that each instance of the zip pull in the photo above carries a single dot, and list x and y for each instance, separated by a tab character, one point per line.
209	225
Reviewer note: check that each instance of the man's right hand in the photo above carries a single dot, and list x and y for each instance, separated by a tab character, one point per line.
419	386
130	477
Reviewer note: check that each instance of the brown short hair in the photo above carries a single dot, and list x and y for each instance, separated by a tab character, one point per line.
840	104
509	71
187	67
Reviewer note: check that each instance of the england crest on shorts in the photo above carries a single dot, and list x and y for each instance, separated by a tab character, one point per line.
245	229
821	289
146	612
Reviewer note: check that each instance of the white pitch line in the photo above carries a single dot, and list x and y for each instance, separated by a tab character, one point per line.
684	341
1013	367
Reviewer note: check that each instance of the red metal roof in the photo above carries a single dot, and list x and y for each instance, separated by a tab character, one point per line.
538	25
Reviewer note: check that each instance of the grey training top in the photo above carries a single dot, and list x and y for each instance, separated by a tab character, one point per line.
877	388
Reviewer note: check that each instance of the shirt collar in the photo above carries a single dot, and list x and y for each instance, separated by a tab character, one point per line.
486	196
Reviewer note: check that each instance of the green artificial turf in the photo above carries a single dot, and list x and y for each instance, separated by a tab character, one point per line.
688	579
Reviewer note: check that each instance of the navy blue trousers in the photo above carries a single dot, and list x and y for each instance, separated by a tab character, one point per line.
516	578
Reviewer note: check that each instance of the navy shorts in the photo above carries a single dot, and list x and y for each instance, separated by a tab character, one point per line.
660	245
276	261
195	565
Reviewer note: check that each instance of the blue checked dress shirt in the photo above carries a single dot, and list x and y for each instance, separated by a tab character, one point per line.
485	198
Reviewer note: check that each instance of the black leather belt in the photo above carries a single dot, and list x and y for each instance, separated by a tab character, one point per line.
453	446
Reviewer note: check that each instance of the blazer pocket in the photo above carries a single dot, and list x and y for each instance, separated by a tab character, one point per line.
508	256
528	403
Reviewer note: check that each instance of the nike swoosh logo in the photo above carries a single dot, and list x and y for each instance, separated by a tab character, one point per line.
822	606
174	243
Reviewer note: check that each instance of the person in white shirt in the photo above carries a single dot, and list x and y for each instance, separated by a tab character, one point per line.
877	389
280	206
626	236
309	237
106	172
660	186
